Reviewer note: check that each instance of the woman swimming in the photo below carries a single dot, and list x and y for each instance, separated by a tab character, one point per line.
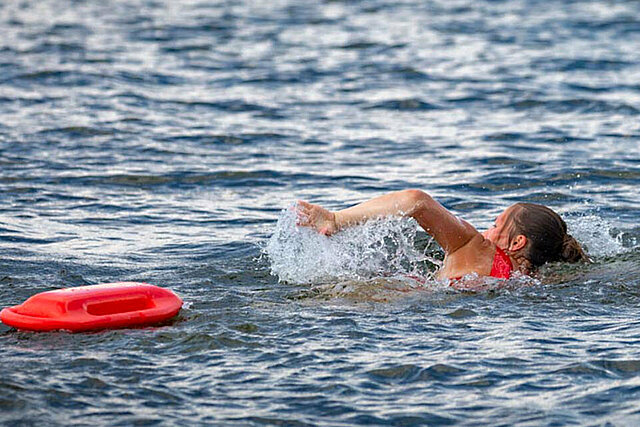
524	237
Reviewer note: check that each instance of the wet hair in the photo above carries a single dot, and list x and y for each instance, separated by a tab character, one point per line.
547	237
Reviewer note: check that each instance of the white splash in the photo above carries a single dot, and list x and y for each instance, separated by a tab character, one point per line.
378	247
596	234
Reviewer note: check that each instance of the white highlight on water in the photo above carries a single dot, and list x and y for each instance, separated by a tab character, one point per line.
379	247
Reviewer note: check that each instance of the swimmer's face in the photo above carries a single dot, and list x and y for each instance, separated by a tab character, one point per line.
499	233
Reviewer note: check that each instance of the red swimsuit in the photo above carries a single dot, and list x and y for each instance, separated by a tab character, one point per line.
501	267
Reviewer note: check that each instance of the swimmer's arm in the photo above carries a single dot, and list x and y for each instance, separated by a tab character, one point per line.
449	231
327	222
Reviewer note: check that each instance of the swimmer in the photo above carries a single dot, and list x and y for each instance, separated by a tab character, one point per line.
524	237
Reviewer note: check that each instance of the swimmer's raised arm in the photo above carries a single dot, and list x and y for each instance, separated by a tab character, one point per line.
448	230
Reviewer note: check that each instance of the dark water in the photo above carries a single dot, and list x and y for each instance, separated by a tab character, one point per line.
159	141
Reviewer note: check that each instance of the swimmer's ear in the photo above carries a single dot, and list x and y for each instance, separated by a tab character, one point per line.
518	243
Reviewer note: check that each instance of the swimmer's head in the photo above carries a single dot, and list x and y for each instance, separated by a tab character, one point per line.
534	235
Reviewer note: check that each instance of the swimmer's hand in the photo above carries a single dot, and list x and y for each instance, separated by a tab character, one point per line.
316	217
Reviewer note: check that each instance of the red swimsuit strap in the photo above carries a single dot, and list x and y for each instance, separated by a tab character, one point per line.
501	267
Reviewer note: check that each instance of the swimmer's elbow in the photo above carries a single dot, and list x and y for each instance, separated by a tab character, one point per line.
417	201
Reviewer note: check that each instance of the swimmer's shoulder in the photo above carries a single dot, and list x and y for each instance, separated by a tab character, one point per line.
476	245
476	256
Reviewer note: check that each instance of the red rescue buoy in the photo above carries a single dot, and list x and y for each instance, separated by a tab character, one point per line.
106	306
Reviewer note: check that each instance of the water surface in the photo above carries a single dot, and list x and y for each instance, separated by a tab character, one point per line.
160	141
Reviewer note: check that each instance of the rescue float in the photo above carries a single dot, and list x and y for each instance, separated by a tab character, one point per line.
85	308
